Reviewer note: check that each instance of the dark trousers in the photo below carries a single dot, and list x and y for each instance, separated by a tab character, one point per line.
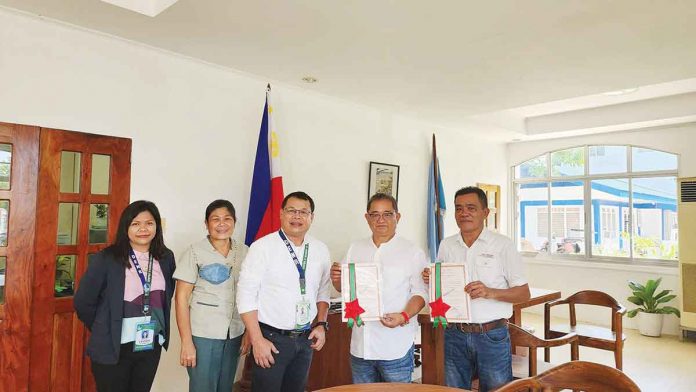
134	372
291	368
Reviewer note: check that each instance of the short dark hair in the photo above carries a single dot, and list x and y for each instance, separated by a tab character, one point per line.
220	203
299	195
120	249
382	196
473	189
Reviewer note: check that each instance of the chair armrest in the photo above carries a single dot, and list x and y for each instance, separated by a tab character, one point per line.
556	302
566	339
621	310
526	339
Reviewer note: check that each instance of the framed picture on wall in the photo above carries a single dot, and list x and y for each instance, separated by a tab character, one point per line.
383	178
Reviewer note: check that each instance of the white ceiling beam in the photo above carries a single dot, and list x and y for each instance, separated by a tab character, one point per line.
672	109
150	8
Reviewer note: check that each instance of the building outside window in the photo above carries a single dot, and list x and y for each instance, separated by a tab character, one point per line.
606	202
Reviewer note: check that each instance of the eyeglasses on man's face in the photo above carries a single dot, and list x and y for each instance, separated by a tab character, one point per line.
386	215
295	212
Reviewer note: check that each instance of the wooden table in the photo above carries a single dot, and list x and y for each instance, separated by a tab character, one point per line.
391	387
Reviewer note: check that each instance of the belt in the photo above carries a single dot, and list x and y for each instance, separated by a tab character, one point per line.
477	327
286	332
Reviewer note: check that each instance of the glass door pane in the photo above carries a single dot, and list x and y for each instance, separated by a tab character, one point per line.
5	165
70	169
3	264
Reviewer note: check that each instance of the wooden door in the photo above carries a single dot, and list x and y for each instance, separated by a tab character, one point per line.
84	185
19	151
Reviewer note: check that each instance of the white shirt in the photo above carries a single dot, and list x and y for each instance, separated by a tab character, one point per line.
269	282
493	260
401	263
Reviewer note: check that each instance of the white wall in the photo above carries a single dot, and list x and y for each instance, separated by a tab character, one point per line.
194	128
573	276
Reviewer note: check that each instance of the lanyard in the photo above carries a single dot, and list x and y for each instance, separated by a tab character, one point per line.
147	283
300	267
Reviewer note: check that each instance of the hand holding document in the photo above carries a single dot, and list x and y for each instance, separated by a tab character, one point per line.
452	280
364	288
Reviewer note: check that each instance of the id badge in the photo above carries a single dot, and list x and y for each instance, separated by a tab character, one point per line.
144	336
302	309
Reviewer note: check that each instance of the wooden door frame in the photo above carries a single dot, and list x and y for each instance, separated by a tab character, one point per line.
493	188
15	315
44	334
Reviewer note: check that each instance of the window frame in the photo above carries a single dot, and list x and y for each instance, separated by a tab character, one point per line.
586	179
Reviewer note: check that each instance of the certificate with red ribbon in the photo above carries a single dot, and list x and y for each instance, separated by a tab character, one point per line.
450	303
360	292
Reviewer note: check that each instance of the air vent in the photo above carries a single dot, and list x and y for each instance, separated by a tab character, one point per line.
688	191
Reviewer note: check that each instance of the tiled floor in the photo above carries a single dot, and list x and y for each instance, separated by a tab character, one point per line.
655	364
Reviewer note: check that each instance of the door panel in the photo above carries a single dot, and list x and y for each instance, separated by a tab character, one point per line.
16	251
72	227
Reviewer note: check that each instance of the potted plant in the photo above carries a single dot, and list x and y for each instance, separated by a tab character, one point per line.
651	311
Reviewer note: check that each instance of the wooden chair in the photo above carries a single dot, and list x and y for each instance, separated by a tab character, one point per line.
589	335
529	366
578	376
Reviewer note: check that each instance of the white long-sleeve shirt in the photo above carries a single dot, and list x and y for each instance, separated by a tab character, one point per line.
269	282
401	263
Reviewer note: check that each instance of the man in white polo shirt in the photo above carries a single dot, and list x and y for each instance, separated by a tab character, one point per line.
382	351
283	286
497	280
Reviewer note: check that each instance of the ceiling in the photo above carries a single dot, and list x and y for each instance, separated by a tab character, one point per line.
440	61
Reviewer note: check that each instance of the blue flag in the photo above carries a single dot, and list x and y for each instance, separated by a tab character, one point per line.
435	214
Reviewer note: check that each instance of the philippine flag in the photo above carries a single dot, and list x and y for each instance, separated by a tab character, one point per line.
267	183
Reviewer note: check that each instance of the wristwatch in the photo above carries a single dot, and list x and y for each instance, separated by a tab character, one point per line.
324	324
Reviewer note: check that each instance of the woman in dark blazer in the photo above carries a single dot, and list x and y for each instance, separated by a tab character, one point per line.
124	299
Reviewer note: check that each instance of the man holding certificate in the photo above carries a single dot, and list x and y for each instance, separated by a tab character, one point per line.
495	281
382	349
283	285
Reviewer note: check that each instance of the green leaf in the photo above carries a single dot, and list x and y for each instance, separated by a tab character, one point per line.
662	294
633	313
635	300
670	310
650	287
636	286
665	299
646	301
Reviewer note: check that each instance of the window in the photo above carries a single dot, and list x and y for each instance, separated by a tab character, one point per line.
568	217
612	202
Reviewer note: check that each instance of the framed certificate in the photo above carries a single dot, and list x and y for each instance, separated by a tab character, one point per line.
453	278
367	291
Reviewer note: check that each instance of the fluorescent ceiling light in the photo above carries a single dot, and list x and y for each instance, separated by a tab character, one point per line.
150	8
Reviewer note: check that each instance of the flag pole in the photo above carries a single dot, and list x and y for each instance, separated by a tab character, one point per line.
437	192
